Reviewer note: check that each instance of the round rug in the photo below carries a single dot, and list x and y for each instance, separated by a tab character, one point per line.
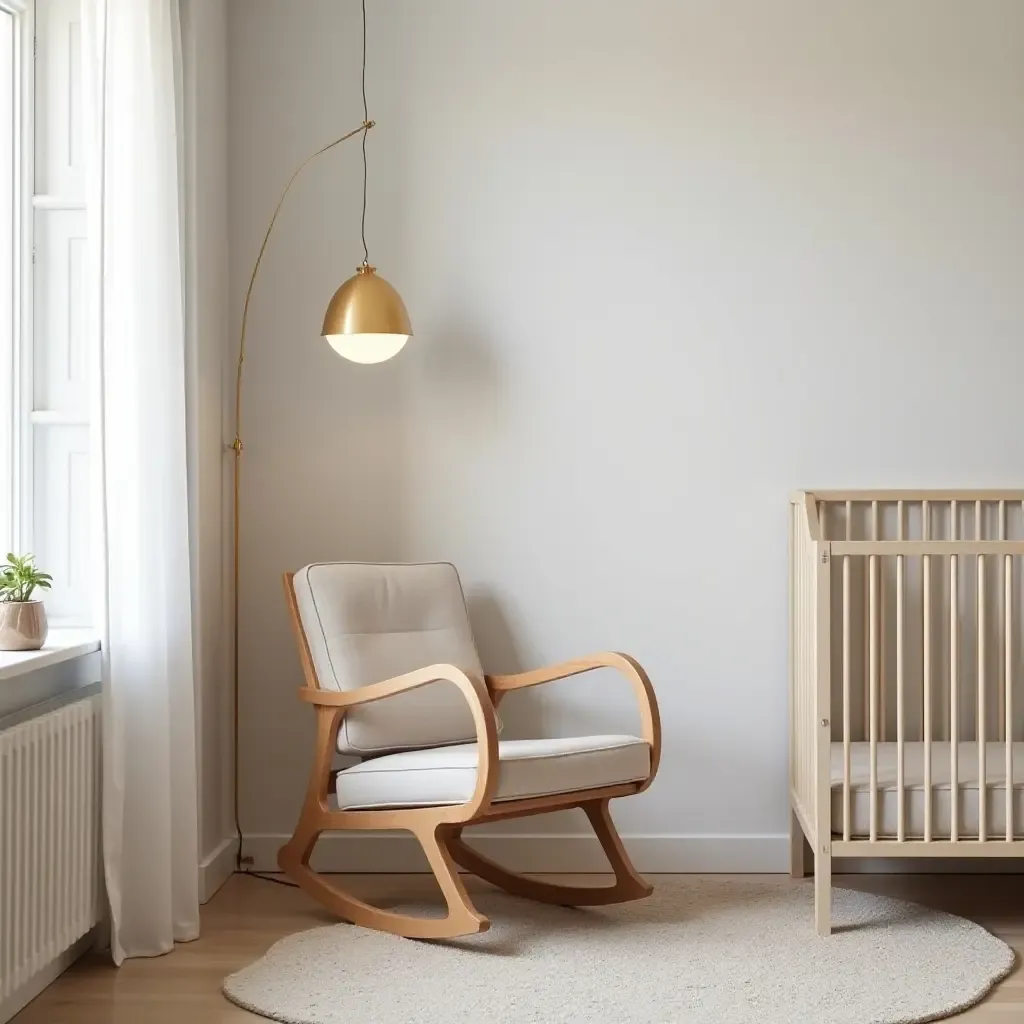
699	951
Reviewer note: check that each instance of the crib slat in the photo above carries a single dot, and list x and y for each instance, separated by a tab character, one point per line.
954	534
926	686
1008	691
925	535
979	682
870	616
900	766
846	695
981	730
873	691
954	699
883	664
1001	699
847	673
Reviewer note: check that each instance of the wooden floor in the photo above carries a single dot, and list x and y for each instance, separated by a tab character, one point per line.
248	915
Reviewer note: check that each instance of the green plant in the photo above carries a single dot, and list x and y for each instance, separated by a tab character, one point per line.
19	577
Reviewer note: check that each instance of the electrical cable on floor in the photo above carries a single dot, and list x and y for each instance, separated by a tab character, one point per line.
242	868
268	878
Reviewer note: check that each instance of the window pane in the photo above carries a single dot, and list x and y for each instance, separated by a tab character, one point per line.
8	151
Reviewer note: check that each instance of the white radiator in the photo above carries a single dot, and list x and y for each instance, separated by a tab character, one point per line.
49	842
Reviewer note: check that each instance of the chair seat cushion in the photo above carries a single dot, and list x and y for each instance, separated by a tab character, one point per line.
527	768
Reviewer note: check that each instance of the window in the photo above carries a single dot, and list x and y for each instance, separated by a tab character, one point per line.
12	34
46	431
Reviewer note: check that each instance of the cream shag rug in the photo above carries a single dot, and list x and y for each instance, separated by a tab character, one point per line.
698	951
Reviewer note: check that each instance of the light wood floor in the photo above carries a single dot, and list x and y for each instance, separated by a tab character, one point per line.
249	915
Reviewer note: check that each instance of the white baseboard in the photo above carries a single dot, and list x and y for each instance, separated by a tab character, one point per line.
216	868
540	853
22	996
395	853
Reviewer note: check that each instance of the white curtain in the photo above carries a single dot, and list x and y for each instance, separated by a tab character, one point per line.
132	76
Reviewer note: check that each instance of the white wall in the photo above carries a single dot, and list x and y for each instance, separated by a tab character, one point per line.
204	52
666	262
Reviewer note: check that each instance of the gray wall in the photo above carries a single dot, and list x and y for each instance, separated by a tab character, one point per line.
666	262
204	53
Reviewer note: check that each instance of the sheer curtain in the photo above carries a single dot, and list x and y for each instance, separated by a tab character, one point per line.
132	77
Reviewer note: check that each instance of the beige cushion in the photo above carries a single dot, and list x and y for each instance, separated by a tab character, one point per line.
527	768
365	623
914	796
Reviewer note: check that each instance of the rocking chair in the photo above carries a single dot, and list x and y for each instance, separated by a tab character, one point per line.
394	677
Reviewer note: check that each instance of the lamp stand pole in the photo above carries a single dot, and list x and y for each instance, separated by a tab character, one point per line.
236	448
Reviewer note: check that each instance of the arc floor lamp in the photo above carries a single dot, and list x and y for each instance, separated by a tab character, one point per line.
366	322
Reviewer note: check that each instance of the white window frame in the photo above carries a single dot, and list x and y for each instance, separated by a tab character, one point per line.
39	457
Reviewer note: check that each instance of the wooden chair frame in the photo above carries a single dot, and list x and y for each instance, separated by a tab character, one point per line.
439	829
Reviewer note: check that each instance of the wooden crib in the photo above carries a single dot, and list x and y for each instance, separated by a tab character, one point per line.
906	675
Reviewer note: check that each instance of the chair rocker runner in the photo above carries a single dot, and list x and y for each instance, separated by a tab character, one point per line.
394	678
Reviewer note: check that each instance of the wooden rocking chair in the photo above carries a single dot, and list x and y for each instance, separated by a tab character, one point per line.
433	763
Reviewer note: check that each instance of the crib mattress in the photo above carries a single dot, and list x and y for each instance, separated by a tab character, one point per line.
967	772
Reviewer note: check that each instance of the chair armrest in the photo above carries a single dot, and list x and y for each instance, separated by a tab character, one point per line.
475	692
650	718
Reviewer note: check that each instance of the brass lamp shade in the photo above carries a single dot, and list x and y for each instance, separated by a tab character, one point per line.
367	321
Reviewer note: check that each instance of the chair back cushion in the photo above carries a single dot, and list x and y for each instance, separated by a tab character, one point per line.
365	623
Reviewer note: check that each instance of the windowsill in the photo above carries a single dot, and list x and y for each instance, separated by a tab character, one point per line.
61	645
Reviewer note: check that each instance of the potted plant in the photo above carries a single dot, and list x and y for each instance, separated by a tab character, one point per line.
22	619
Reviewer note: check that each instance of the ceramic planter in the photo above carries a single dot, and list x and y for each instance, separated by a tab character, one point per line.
22	625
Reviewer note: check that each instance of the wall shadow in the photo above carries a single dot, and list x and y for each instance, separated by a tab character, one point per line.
522	714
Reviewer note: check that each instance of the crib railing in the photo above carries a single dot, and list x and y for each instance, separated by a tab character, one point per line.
927	658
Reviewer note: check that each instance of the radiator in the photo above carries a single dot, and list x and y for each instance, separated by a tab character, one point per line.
49	840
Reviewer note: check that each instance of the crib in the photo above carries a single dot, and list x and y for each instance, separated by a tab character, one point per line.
906	676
